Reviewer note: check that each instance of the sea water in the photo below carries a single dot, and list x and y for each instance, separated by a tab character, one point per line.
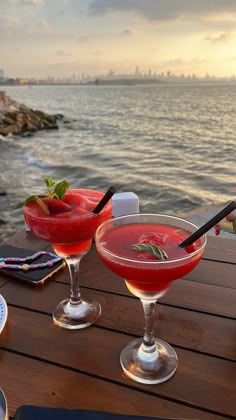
174	145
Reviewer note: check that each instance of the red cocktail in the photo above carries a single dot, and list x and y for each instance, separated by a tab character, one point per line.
143	249
70	231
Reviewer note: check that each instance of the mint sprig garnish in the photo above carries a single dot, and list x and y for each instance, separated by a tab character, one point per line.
55	190
60	189
152	249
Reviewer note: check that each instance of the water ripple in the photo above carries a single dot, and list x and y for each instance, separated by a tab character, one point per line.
173	145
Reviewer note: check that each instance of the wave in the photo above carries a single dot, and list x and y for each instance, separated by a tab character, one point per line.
38	161
42	161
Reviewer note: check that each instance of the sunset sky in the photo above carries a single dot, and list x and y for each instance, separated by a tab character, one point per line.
64	37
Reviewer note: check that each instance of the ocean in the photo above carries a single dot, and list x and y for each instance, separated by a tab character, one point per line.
174	145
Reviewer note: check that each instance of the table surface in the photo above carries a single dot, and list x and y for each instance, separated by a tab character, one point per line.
41	364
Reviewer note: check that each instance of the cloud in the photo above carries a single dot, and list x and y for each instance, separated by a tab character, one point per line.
32	2
174	62
63	53
126	32
39	26
97	53
9	22
164	9
223	37
83	38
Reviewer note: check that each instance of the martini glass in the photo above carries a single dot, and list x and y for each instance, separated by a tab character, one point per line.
71	234
148	360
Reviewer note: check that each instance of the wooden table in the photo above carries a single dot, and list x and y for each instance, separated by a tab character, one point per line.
44	365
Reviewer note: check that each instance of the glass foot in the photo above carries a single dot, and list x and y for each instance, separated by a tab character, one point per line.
149	368
73	317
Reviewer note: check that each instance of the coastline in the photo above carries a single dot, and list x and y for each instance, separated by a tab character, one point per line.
18	119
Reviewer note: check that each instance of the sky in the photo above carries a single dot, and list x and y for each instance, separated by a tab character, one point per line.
40	38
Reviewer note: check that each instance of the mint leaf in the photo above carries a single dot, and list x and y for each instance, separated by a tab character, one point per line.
152	249
61	188
50	182
30	198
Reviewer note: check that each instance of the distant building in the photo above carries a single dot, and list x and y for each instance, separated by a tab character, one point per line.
137	72
1	74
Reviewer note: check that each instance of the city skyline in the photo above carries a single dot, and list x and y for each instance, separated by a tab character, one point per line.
137	76
41	38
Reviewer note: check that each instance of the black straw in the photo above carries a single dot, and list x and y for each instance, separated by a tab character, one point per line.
104	199
212	222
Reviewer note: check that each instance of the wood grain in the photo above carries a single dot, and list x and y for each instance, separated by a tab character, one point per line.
83	350
51	386
42	364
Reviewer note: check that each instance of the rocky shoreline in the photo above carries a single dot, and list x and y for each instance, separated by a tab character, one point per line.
18	119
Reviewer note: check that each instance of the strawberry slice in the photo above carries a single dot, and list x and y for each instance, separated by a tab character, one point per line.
74	199
57	206
81	211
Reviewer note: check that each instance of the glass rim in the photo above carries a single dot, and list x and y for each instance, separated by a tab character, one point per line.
168	261
61	219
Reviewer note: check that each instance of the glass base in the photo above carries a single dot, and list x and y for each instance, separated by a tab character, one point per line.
73	317
149	368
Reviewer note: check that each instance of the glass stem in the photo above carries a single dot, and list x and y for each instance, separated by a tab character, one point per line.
73	265
148	344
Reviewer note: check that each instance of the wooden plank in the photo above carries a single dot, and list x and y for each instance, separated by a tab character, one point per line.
27	381
182	293
196	381
221	249
94	274
214	272
193	295
27	240
202	297
2	281
188	329
217	249
207	271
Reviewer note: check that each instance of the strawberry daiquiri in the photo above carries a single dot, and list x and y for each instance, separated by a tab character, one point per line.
70	224
142	270
65	218
144	250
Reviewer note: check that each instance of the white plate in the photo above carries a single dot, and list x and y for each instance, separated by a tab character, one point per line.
3	313
3	406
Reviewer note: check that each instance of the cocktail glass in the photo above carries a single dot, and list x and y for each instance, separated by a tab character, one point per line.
148	360
71	235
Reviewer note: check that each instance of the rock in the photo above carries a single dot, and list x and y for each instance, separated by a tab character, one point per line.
18	119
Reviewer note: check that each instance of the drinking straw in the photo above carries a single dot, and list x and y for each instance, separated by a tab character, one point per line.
208	225
104	199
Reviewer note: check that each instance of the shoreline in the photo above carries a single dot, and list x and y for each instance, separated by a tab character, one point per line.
18	119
